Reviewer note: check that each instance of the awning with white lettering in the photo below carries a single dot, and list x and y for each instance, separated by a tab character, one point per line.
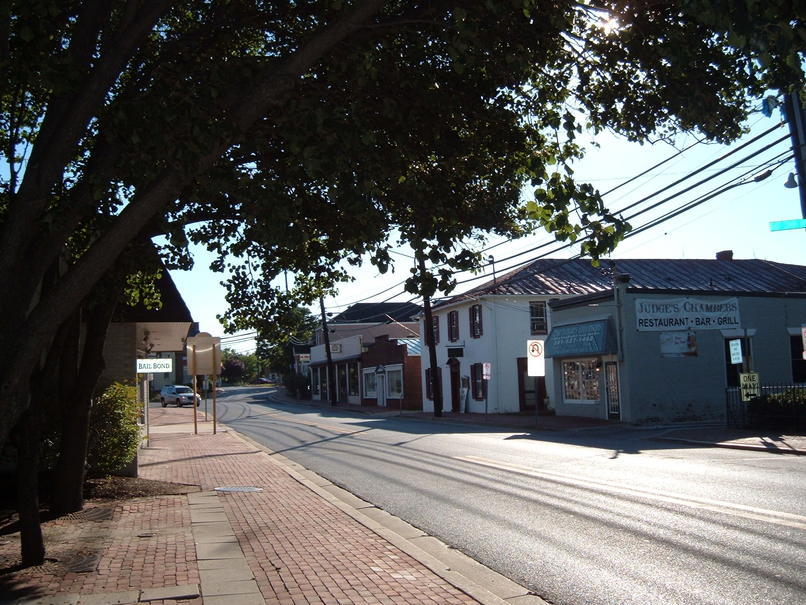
581	339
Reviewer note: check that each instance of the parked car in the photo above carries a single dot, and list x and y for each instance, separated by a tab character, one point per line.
178	395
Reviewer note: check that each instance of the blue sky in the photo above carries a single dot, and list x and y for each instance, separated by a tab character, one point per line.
736	220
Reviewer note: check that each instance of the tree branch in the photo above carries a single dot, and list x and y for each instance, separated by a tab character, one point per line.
268	91
65	125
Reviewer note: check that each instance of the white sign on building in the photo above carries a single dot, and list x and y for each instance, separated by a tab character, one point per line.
678	344
155	366
673	314
735	348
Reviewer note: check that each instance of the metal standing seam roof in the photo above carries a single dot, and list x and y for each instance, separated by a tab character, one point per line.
377	313
414	346
579	277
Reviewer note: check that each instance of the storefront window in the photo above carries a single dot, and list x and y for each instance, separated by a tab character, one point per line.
315	381
352	378
323	382
581	380
370	390
395	381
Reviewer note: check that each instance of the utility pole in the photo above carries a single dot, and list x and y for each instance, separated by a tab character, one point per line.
797	130
436	386
331	375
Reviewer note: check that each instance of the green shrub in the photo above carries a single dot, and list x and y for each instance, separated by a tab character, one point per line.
790	397
298	385
114	434
780	411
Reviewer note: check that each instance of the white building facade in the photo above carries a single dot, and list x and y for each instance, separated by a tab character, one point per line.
486	336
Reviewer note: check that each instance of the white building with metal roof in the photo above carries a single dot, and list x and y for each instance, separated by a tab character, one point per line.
635	340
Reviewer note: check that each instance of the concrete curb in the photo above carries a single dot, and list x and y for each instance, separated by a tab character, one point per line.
733	445
446	562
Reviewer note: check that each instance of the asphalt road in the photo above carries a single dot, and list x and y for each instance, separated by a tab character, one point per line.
593	517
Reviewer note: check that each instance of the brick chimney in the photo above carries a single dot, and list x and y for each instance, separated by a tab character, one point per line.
724	255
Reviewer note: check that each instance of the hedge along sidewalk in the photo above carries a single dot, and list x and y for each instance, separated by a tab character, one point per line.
300	547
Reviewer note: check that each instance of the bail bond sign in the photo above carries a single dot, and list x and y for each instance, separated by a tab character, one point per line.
667	315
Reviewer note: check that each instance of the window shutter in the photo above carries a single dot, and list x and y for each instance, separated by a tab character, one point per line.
476	377
453	326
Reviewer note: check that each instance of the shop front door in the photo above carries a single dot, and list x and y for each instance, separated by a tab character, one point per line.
531	389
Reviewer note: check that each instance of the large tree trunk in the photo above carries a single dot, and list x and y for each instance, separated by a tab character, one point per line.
28	442
68	493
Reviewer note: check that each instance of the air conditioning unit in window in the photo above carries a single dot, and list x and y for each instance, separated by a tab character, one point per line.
335	348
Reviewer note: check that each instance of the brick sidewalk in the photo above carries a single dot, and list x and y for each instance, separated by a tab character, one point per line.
112	552
293	545
300	548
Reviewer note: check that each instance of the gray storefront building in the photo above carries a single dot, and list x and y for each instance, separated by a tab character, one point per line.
656	345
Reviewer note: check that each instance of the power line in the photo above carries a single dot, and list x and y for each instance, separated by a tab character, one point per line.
653	223
654	194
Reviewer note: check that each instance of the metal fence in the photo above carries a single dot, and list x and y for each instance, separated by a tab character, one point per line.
780	407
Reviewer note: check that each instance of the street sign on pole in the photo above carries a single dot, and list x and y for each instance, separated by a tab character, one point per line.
798	223
750	386
535	358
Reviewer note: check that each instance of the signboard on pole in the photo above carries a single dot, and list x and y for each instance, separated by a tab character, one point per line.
155	366
204	355
535	358
486	370
749	385
803	338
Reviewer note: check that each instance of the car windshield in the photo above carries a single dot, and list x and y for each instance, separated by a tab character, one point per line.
184	390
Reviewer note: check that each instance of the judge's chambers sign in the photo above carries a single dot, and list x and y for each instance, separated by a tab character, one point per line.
667	315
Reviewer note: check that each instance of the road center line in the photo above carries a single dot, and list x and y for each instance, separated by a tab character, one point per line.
718	506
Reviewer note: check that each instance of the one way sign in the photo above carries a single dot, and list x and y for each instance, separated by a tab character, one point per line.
750	386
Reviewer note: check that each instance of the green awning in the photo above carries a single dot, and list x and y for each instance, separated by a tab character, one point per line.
581	339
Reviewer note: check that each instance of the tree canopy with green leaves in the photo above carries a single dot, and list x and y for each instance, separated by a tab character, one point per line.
294	136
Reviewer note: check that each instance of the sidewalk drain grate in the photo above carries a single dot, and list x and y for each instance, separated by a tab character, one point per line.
93	513
84	562
239	488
